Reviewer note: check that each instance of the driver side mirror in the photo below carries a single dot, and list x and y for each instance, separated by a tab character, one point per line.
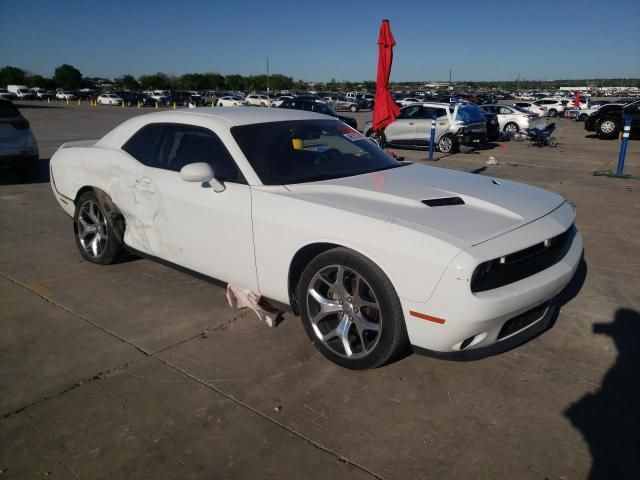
203	173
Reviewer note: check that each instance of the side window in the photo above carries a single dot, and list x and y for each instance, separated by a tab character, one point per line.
441	112
180	145
505	111
410	112
143	145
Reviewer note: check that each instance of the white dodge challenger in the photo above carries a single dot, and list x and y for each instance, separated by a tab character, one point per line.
371	252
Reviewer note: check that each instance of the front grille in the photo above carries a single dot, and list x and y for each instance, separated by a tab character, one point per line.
522	321
521	264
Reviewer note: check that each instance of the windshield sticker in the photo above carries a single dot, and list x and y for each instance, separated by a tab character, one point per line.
354	136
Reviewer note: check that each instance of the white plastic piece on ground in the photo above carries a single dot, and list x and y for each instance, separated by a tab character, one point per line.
492	161
244	298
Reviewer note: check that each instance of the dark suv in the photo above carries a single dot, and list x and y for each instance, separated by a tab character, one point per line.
318	106
608	120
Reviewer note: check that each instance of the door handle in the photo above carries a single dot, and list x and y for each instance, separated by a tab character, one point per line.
411	123
143	181
442	123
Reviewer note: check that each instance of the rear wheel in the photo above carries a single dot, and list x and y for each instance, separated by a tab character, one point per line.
583	117
553	112
98	237
350	310
511	127
353	108
28	168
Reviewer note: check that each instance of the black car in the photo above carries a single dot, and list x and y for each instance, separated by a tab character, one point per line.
319	107
493	127
136	98
185	98
608	120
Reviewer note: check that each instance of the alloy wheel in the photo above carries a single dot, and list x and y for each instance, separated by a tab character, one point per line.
607	126
511	128
92	229
445	144
344	312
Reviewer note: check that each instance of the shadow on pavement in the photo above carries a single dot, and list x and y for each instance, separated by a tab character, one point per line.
22	106
12	177
609	419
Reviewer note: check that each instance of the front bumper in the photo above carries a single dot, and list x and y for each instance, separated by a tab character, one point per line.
471	139
468	321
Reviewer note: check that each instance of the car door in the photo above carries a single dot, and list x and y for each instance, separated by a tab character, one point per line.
632	111
403	130
506	115
188	223
423	124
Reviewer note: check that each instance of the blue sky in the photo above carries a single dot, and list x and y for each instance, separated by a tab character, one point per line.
490	40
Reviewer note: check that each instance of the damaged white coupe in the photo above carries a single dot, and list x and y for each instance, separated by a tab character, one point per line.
373	253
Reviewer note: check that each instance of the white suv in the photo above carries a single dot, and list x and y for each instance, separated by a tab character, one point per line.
256	100
554	106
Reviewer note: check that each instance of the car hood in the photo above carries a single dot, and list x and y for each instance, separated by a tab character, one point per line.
491	207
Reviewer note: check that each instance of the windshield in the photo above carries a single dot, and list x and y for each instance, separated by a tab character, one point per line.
308	150
469	114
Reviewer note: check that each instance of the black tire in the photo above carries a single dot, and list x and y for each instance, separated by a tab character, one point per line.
511	127
583	117
379	138
608	128
112	249
386	342
28	168
447	144
553	112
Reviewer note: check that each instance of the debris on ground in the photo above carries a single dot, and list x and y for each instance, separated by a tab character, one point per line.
492	161
243	298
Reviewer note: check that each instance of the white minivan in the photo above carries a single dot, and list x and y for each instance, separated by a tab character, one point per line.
22	91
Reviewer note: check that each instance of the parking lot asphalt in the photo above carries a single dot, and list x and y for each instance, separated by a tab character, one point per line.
136	370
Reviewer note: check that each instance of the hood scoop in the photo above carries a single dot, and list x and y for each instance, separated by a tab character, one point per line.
443	202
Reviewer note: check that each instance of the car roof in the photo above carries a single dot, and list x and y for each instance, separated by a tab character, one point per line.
218	117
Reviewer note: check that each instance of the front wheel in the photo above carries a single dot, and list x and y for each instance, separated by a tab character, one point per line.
583	117
350	310
353	108
608	128
553	113
98	237
446	144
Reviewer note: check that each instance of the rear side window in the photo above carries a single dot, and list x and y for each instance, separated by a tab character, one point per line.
8	110
143	145
172	146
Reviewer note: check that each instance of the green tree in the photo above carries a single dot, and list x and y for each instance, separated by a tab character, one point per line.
157	81
127	82
68	77
235	82
12	76
215	81
193	81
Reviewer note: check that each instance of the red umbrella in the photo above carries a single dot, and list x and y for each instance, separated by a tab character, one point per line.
385	110
576	101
